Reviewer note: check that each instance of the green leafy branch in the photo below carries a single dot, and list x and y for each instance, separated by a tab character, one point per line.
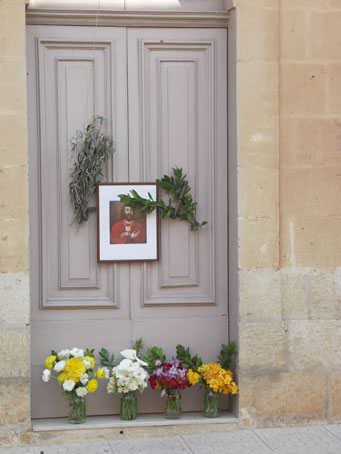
184	355
91	149
227	355
180	203
107	360
153	357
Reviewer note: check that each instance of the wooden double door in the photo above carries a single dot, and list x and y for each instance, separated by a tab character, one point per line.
163	93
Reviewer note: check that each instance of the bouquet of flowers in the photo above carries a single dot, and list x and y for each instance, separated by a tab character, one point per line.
75	371
216	376
126	378
170	378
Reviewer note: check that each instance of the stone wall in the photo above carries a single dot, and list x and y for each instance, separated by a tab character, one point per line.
289	210
14	276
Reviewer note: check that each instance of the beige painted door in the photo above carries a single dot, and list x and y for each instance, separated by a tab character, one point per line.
173	84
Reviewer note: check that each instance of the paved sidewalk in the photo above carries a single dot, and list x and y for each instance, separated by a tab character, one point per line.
301	440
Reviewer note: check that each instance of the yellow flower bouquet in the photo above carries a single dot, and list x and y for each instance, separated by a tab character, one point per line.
76	373
216	376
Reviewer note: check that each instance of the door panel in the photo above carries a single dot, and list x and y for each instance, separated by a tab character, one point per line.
73	74
177	110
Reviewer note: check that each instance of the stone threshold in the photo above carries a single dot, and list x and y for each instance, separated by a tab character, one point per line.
144	420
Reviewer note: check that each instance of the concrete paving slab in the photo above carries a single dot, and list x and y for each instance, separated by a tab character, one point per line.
236	442
300	440
167	445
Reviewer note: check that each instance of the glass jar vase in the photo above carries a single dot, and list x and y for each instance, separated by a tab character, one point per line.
77	409
173	405
128	406
211	403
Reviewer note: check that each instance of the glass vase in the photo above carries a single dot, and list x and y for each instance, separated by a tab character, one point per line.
173	404
77	409
211	403
128	406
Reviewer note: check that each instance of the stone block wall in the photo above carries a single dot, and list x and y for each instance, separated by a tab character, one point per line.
14	268
289	210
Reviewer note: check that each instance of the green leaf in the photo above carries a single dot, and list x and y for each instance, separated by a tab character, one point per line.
138	346
89	352
105	358
184	355
227	354
152	355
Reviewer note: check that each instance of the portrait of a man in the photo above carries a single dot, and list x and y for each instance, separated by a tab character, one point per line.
127	226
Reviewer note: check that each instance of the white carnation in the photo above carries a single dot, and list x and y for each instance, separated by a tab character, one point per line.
59	366
81	391
77	352
86	363
106	373
68	385
84	379
46	375
64	354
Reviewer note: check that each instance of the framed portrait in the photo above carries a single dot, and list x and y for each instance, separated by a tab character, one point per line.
124	233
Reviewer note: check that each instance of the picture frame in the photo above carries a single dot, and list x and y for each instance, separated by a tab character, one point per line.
126	234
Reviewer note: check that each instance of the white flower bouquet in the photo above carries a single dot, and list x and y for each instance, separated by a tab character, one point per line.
126	378
75	371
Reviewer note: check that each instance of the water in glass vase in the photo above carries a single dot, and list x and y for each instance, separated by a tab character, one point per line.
173	404
128	406
77	409
211	403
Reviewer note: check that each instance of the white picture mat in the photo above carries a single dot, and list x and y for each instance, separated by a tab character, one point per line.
107	251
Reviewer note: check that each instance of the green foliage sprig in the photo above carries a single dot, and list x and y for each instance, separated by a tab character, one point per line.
180	203
227	355
184	355
107	360
152	355
91	149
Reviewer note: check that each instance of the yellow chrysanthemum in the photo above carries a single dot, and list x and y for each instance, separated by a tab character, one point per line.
61	377
90	360
74	368
193	377
219	380
100	373
92	385
49	361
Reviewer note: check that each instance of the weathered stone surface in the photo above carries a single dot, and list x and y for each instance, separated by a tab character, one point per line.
314	344
283	397
262	345
323	300
13	244
334	96
303	88
258	34
258	243
325	35
260	296
255	199
15	353
293	31
310	141
14	298
294	293
15	403
335	395
311	241
323	199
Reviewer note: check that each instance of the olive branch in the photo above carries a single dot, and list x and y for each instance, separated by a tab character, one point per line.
180	203
91	149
